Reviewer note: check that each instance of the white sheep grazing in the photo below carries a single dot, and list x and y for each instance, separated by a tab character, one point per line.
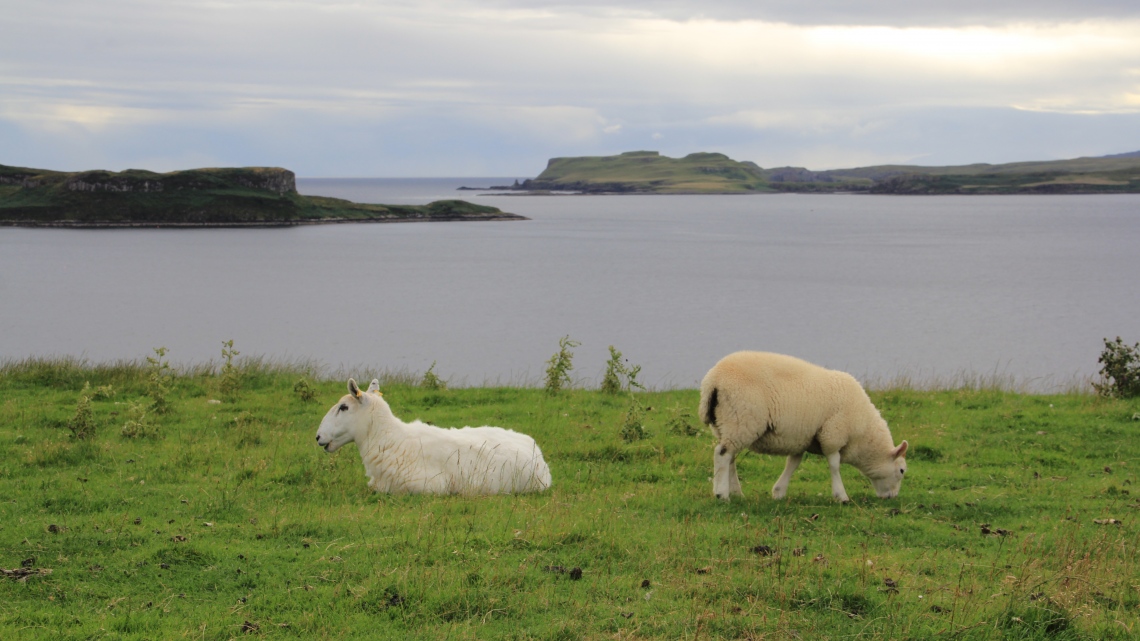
420	458
776	404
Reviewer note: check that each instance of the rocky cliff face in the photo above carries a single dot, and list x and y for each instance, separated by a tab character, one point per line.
93	181
797	175
28	181
276	180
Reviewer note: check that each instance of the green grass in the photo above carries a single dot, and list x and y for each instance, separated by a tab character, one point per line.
233	523
648	171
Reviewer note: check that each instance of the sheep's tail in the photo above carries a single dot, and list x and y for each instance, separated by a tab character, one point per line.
707	409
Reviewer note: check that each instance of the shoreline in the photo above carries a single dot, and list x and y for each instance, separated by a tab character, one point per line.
64	224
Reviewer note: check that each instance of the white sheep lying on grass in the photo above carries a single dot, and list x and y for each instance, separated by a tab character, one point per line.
420	458
775	404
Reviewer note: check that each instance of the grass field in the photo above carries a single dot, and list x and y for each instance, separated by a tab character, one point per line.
1016	520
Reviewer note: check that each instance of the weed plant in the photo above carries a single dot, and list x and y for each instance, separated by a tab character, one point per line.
431	381
681	421
229	382
82	423
103	393
620	377
139	423
559	366
1016	521
611	380
305	390
160	377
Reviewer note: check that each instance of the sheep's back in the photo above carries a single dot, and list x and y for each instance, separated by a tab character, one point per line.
481	459
774	402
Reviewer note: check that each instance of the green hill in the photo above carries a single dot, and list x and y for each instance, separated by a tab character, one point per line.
1107	174
650	172
244	197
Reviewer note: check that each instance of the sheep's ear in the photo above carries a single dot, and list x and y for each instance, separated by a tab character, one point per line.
374	386
353	388
899	451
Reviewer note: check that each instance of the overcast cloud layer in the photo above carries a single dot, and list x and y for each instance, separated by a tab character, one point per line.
495	88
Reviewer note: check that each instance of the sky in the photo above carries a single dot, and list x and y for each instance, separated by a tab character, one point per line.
463	88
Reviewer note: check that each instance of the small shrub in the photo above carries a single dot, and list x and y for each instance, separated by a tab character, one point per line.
103	393
681	422
559	366
431	381
1120	370
159	379
139	423
633	427
304	390
230	382
82	424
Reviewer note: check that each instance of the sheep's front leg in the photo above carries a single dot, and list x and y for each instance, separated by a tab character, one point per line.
837	490
780	489
734	481
725	480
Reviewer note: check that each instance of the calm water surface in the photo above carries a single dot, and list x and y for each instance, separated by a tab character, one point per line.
1024	287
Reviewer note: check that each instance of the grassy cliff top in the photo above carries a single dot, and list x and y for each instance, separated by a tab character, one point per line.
229	196
648	171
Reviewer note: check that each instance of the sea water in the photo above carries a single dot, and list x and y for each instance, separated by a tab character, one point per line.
934	289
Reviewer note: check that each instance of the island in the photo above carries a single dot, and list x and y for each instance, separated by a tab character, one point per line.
213	197
641	172
648	172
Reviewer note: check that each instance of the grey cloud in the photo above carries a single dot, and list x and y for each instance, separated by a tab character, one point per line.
901	13
465	87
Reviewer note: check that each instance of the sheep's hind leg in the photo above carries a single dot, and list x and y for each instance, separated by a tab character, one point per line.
780	489
837	490
725	480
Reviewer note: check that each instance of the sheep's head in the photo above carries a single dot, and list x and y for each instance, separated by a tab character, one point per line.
887	477
346	420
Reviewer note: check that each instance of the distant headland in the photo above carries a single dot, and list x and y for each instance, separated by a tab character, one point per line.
222	197
648	172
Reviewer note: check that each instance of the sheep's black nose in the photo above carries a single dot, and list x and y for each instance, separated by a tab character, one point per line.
318	439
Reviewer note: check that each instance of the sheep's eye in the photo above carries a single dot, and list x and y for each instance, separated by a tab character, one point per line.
343	407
